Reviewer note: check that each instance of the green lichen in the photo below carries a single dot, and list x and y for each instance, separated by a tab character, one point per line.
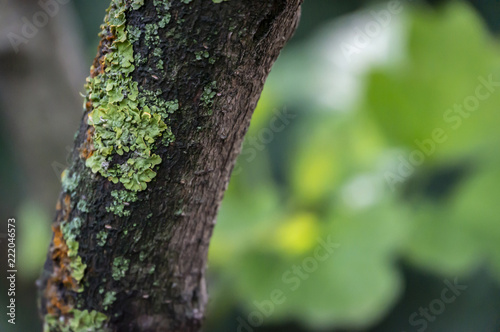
125	123
201	54
218	1
76	265
69	183
72	247
102	236
157	3
136	4
169	107
164	20
109	298
151	35
162	9
134	33
78	270
161	5
81	321
82	205
157	52
139	59
152	269
186	1
120	267
122	198
208	95
70	230
87	321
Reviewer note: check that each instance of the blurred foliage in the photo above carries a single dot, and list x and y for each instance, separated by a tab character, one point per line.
33	239
331	180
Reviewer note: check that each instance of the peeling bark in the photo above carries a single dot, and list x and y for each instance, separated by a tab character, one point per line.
145	267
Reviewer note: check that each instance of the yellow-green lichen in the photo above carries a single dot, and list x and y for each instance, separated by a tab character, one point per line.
78	270
73	246
70	230
125	123
82	321
109	298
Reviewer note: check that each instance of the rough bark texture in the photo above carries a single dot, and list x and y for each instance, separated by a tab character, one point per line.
145	267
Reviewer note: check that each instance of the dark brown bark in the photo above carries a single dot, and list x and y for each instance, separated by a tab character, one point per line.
166	236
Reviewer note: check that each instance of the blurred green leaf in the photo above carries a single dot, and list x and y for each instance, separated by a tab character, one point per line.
33	237
442	70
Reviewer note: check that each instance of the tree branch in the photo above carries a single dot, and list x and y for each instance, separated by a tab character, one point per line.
169	100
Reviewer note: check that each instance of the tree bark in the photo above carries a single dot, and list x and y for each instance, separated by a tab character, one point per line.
159	136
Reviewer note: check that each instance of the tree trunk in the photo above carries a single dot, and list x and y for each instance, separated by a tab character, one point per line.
168	102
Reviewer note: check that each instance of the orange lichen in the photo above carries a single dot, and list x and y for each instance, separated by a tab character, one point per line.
60	281
67	206
87	147
98	66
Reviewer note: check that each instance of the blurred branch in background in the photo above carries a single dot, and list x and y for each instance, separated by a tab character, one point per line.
40	80
42	67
